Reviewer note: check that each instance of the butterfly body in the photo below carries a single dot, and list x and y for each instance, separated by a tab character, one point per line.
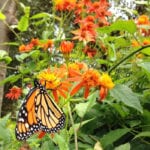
38	113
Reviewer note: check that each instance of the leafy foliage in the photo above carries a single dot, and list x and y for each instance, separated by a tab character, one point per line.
99	115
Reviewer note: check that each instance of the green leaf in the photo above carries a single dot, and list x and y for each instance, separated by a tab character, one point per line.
83	108
5	132
125	146
146	51
145	66
2	16
48	145
112	53
120	25
4	120
22	56
41	15
77	125
12	79
4	57
113	136
3	53
60	139
124	94
143	134
24	21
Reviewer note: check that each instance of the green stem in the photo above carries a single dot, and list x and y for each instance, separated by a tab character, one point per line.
128	56
75	131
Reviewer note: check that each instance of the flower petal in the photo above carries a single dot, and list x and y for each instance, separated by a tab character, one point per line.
76	88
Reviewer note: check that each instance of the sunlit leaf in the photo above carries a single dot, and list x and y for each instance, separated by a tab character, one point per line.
24	21
146	51
98	146
119	25
2	16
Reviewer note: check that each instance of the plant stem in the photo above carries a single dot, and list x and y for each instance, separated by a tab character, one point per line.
75	131
128	56
7	67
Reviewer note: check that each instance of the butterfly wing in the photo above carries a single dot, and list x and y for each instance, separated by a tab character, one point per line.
38	112
27	123
49	115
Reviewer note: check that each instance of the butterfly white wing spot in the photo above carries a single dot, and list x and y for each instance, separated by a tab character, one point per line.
21	120
26	125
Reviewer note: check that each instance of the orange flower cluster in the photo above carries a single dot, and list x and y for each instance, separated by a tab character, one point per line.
143	43
95	14
34	43
143	24
64	5
14	93
59	80
93	79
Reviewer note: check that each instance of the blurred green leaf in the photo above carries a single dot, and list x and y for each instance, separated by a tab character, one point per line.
22	56
124	94
145	65
41	15
5	132
146	51
77	125
112	53
60	139
11	78
4	57
125	146
47	145
121	25
24	21
143	134
113	136
83	108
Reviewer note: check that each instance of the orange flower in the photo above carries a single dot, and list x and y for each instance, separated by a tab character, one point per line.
63	5
90	52
66	47
146	42
86	32
75	70
25	48
135	43
48	45
89	79
35	42
14	93
143	19
55	80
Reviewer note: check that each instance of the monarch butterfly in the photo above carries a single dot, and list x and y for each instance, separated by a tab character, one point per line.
38	113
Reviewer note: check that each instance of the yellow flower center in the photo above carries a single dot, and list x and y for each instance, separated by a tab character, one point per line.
106	81
50	80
